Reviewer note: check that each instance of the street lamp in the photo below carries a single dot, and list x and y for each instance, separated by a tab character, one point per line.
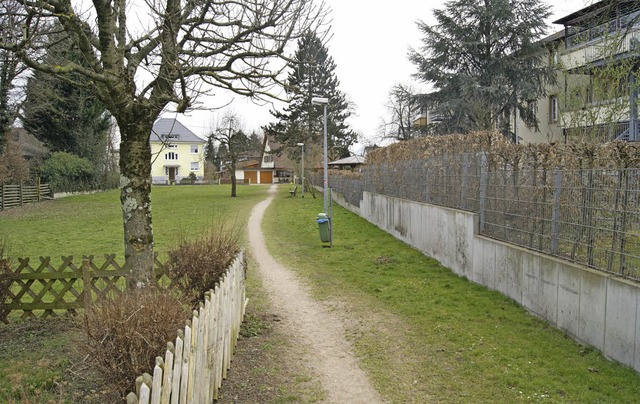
302	145
324	101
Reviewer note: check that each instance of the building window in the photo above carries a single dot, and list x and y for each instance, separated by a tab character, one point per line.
553	108
171	156
194	149
532	111
267	158
195	166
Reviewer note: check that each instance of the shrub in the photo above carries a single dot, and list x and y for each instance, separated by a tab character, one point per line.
125	334
196	266
66	172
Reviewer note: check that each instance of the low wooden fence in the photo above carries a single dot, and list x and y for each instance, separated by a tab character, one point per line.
18	195
192	369
46	289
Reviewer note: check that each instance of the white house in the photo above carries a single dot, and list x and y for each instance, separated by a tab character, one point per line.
176	152
269	168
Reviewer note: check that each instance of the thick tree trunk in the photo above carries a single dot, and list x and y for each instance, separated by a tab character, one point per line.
135	196
233	185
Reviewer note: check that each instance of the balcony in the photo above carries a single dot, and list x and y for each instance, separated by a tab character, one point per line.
614	46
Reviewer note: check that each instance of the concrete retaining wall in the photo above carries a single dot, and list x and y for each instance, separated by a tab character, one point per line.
593	307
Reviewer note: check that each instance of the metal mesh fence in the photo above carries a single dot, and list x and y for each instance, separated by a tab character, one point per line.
350	188
591	217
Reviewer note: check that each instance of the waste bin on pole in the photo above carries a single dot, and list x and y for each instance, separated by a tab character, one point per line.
323	227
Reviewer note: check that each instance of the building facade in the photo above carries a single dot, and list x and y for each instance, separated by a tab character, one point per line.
596	57
176	152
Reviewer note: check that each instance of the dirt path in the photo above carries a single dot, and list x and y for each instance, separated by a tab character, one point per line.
310	324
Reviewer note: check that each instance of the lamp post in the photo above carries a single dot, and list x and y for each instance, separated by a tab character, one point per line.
324	101
302	145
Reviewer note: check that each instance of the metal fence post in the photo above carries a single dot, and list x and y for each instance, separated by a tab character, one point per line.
483	189
463	186
426	187
555	215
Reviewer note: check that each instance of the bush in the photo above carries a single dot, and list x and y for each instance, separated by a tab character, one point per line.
66	172
196	266
125	334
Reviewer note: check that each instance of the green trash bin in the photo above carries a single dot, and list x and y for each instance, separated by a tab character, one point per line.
323	226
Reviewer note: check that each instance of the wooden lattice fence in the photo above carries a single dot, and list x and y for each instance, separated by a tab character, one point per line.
47	289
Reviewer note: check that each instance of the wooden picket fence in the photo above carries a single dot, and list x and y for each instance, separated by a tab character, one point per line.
45	289
18	195
193	369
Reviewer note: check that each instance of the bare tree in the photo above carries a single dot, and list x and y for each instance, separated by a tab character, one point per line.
10	70
234	142
404	108
142	56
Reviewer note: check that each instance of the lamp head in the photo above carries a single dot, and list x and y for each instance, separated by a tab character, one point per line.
300	144
319	101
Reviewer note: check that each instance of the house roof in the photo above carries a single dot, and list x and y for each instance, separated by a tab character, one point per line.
348	161
279	154
178	132
598	11
29	144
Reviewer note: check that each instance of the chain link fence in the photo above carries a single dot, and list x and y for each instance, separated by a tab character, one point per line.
590	217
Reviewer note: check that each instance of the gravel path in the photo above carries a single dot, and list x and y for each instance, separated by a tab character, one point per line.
310	324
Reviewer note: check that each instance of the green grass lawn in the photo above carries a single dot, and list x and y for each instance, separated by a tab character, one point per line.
92	224
427	335
34	355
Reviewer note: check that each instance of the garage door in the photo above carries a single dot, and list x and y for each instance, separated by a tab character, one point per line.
266	177
252	176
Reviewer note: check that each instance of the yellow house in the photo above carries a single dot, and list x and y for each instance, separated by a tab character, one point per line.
176	152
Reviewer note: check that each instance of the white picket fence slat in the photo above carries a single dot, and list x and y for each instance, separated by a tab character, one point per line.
193	369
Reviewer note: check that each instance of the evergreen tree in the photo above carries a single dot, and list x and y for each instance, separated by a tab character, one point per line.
484	61
210	150
313	75
254	147
63	113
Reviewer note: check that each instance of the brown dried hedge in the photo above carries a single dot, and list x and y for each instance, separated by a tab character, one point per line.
125	334
197	265
501	152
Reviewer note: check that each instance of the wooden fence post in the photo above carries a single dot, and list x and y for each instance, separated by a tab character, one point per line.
86	282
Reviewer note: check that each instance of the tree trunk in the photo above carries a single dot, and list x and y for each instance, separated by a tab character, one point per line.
135	196
233	185
233	178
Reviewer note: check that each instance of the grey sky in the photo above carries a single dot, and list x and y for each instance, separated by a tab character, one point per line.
369	46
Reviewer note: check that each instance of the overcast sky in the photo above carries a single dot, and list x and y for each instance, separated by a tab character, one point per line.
369	46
